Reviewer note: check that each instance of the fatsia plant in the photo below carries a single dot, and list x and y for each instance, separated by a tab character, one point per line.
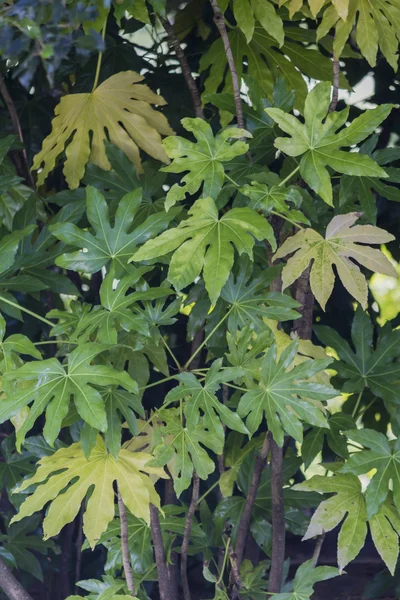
195	374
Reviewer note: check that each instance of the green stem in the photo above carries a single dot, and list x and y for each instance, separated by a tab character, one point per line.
224	562
210	489
56	342
287	219
364	410
206	339
99	59
172	355
149	385
232	181
236	387
289	176
355	409
26	310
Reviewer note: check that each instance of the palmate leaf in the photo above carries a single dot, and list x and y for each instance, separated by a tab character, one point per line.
250	303
366	367
109	588
12	347
70	467
34	260
247	12
364	189
318	142
285	395
121	106
200	399
384	456
203	159
348	503
50	385
120	403
274	198
21	542
306	577
182	448
314	439
267	62
376	26
14	466
204	242
113	244
116	310
341	244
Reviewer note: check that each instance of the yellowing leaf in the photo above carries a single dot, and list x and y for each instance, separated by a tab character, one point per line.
341	244
120	106
69	467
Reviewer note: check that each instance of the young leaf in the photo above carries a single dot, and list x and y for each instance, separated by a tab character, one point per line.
274	198
181	448
285	392
70	467
203	159
205	242
319	142
108	244
119	105
50	386
348	503
306	577
342	242
384	456
201	399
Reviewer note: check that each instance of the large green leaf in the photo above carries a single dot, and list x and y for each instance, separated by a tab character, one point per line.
342	243
248	11
267	61
203	159
318	142
348	503
365	366
205	242
69	467
384	456
285	392
376	27
21	542
109	244
50	386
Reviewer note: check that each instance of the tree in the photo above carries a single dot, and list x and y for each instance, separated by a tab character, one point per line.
191	207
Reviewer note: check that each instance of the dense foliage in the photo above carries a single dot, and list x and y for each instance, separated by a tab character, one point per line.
199	350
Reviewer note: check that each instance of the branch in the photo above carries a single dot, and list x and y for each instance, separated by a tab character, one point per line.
17	128
10	586
336	78
304	295
317	549
220	23
124	546
187	73
78	544
164	583
235	571
186	536
245	518
278	519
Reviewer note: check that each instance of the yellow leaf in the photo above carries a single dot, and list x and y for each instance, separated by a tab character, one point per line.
120	107
67	476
